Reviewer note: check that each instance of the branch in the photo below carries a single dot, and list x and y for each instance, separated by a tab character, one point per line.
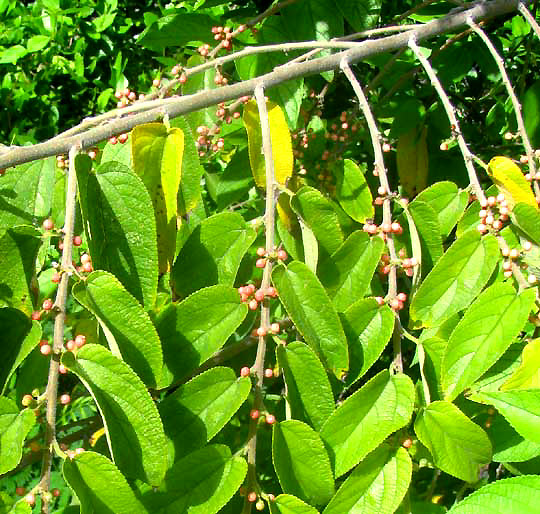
454	124
174	107
530	18
269	220
58	343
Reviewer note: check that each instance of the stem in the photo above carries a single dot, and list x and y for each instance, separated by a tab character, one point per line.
530	18
512	94
451	113
387	209
269	221
58	341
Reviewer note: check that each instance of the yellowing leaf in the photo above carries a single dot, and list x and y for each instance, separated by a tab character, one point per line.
157	158
412	160
510	181
527	376
281	143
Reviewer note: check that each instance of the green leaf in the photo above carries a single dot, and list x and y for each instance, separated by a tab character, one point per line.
520	408
119	152
510	495
212	253
157	158
447	201
200	483
352	190
236	180
319	215
193	330
37	43
527	218
368	327
12	54
289	504
483	335
429	231
14	427
189	192
377	485
301	462
365	419
199	409
308	389
346	275
527	376
133	428
456	280
120	225
18	252
20	336
531	113
130	332
458	446
360	15
310	309
99	485
175	30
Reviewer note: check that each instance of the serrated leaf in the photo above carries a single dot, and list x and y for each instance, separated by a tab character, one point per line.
120	227
412	160
193	330
365	419
319	215
346	275
99	485
447	201
352	190
128	328
133	427
199	409
200	483
377	485
511	182
483	335
455	281
282	155
118	152
301	462
308	389
458	446
20	336
157	158
310	309
212	253
19	247
510	495
527	376
521	409
289	504
14	427
368	327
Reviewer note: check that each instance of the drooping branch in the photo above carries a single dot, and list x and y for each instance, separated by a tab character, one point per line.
59	321
174	107
454	123
515	102
530	18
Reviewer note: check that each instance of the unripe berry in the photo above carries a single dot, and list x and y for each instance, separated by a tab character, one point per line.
30	499
443	146
407	443
62	369
70	345
56	277
85	258
270	419
27	400
113	140
379	300
274	328
48	224
527	246
252	496
87	266
261	263
261	252
268	372
80	340
396	228
282	255
386	147
507	274
402	297
65	399
254	414
122	138
56	492
245	372
253	304
47	304
250	289
45	349
36	315
531	279
514	253
259	295
77	240
271	291
259	505
156	82
261	331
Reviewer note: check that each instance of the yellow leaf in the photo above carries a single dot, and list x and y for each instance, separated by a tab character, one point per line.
157	153
412	160
527	376
281	143
510	181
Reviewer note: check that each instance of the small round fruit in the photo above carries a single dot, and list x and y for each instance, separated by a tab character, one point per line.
245	371
47	304
45	349
27	400
252	496
270	419
65	399
30	499
254	414
268	372
80	340
77	240
48	224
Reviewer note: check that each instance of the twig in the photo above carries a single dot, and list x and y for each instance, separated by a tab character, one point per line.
269	221
515	102
178	106
454	124
387	208
58	342
530	18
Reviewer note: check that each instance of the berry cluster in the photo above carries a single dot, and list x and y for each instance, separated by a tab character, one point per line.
125	97
73	345
253	296
493	214
512	255
407	263
280	255
385	228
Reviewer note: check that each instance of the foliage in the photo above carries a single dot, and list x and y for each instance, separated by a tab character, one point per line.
354	338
